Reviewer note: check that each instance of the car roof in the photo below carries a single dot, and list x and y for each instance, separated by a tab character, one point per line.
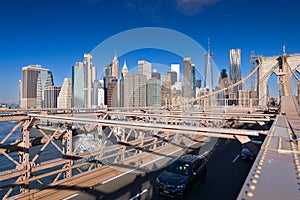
188	158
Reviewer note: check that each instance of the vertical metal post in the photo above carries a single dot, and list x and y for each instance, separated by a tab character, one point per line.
69	153
298	94
24	188
100	145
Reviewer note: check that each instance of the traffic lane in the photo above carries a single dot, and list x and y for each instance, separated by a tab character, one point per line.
226	172
130	186
114	188
225	176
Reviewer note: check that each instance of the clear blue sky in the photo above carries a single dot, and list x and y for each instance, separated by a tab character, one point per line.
56	33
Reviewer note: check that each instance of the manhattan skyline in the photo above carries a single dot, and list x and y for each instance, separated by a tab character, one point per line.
55	34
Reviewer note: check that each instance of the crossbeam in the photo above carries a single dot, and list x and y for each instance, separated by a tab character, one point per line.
212	132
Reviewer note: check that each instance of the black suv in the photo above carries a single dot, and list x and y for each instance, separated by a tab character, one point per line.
180	176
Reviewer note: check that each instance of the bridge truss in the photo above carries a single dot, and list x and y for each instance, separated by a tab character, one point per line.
58	151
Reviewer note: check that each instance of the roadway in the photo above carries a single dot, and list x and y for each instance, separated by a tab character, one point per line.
225	177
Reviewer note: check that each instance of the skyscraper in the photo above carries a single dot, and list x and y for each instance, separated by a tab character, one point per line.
101	93
64	99
153	92
208	69
112	74
176	68
155	74
235	68
135	90
112	93
124	69
20	93
121	84
50	96
115	67
145	68
173	77
45	79
78	85
189	78
90	78
34	80
198	83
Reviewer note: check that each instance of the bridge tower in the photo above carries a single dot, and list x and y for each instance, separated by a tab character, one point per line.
283	67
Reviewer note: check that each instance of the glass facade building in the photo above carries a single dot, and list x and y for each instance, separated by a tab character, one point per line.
78	85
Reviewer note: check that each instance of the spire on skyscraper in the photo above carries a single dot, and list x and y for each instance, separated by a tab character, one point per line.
208	45
124	69
124	65
208	70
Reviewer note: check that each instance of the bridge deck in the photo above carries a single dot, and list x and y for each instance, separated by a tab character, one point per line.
276	171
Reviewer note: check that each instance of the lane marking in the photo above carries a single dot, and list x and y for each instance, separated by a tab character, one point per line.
132	170
235	159
70	197
139	194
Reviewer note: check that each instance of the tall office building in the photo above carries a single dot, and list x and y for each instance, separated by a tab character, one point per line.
176	68
34	80
145	68
124	69
78	85
50	96
223	74
45	79
115	67
208	69
173	77
135	90
198	83
194	79
189	88
121	84
155	74
107	77
165	91
90	78
20	93
235	68
153	92
101	94
121	92
112	93
64	99
166	79
111	74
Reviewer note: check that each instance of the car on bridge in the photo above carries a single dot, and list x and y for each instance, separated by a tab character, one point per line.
181	176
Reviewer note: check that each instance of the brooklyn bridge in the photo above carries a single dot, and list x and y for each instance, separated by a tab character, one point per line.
116	153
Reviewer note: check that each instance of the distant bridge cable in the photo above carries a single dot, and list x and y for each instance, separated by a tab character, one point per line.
296	77
224	89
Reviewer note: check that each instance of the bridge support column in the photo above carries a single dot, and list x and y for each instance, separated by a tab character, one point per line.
24	188
69	152
262	87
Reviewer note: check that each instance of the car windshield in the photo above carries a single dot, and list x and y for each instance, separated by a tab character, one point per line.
179	167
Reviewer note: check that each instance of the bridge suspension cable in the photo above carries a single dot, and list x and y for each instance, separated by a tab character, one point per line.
296	77
221	90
